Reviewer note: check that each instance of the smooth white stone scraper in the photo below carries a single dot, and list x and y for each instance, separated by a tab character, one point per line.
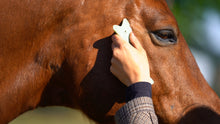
124	31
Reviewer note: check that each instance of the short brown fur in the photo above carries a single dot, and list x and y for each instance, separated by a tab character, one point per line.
58	53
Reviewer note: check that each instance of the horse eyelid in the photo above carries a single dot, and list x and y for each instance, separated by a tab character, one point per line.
158	40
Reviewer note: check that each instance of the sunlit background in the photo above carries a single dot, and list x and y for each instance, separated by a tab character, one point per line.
199	21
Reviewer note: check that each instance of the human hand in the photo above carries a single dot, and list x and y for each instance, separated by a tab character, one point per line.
129	61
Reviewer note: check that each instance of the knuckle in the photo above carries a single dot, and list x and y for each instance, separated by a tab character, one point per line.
112	70
116	53
112	61
113	46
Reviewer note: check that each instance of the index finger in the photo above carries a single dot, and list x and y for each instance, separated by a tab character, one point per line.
117	41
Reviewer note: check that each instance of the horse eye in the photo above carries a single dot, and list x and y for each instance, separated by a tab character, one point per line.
164	37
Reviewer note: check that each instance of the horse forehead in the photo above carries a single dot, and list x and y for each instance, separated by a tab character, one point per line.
159	14
155	10
155	13
158	7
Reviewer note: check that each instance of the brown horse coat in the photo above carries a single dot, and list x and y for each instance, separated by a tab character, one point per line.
58	53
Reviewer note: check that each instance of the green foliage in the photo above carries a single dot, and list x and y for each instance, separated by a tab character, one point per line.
190	17
189	11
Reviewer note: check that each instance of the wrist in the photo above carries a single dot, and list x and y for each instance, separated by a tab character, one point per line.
141	79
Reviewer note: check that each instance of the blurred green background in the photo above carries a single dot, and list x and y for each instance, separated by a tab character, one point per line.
199	22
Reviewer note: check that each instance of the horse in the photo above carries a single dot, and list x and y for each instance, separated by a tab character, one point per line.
59	52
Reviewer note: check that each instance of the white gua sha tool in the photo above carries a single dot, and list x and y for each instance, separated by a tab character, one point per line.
124	31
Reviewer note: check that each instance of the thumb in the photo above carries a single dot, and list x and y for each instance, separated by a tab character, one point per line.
134	41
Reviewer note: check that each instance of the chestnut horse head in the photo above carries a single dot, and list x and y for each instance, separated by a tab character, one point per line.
59	52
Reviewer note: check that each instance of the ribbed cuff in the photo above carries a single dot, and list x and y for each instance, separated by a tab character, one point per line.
139	89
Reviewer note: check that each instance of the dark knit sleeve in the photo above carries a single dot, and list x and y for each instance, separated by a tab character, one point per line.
139	89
